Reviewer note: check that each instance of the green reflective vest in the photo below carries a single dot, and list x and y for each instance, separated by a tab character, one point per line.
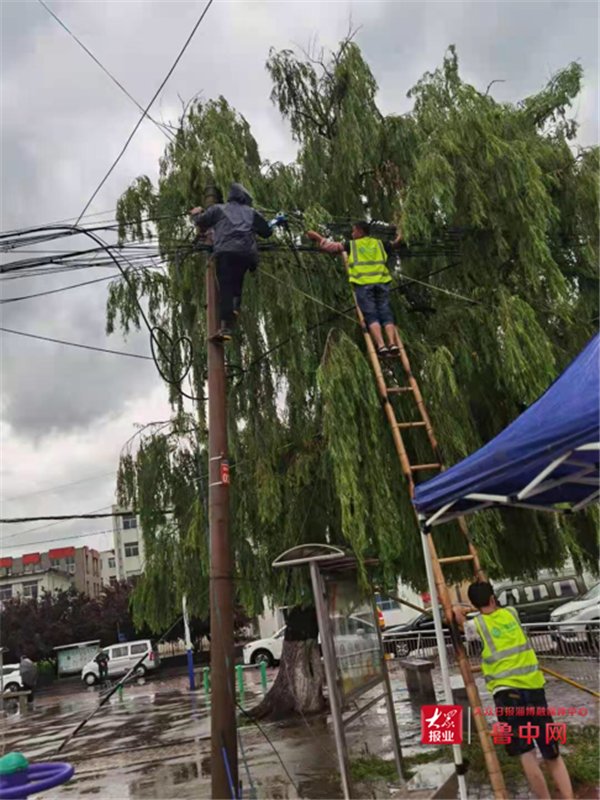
367	262
508	659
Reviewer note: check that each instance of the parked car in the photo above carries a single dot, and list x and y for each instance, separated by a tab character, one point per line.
418	632
535	600
121	658
11	678
583	616
267	650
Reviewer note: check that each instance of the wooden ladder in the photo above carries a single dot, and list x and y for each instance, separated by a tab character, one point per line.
389	388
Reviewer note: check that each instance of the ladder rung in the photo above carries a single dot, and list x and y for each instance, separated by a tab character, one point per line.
398	389
417	467
455	559
410	424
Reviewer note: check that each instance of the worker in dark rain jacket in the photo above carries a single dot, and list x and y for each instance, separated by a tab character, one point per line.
234	227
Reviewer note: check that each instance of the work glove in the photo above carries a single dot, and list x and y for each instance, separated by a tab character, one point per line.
279	221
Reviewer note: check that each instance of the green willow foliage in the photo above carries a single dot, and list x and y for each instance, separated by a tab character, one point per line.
312	457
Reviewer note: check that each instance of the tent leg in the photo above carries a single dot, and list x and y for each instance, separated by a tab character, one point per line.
445	670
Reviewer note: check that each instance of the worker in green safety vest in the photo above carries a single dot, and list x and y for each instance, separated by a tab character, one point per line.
512	674
370	277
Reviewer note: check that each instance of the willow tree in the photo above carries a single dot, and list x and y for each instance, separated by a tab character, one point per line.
311	457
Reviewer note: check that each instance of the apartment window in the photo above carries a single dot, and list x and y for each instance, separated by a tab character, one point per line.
87	563
6	591
70	563
533	593
131	549
129	522
111	563
55	562
5	572
30	589
28	568
113	580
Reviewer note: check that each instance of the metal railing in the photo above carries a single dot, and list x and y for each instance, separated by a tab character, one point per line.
562	640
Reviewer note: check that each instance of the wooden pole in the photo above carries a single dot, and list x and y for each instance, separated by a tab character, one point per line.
224	766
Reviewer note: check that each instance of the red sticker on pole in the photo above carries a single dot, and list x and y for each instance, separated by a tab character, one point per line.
225	472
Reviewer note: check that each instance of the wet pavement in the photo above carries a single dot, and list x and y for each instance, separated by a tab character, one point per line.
155	742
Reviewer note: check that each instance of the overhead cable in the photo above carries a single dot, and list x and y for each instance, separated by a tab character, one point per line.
76	344
160	127
146	110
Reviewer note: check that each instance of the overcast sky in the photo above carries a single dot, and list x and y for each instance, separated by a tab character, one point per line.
66	413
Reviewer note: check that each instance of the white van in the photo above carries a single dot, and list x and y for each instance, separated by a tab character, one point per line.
121	658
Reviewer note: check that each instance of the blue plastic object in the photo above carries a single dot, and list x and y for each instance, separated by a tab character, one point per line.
563	419
19	778
280	219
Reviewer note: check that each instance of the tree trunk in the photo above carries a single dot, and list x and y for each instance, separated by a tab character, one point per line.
298	687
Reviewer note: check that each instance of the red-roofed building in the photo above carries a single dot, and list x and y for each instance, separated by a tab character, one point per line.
33	573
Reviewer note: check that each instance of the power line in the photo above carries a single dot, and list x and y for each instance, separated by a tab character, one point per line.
103	68
62	517
5	300
58	486
76	344
141	119
44	527
61	538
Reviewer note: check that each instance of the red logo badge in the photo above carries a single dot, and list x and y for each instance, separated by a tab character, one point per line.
225	472
441	725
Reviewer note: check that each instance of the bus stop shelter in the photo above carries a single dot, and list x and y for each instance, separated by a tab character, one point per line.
350	641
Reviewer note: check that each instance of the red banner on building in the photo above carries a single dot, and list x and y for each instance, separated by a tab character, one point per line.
31	558
6	562
61	552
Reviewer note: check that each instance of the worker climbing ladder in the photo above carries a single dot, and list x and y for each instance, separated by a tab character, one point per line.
391	388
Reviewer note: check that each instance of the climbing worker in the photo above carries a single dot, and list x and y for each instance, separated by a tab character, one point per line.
234	225
371	278
512	674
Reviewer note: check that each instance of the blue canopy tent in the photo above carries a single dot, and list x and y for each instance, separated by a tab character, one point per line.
547	459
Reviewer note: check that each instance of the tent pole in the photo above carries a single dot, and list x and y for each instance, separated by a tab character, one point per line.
444	668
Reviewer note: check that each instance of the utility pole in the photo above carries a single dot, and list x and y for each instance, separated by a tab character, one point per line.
224	765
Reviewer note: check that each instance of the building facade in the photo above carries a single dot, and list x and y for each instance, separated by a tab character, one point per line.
109	567
33	585
128	545
81	566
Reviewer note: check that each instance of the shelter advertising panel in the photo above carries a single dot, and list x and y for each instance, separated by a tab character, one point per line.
356	643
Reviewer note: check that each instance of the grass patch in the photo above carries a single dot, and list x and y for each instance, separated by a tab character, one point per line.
441	754
373	768
582	759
